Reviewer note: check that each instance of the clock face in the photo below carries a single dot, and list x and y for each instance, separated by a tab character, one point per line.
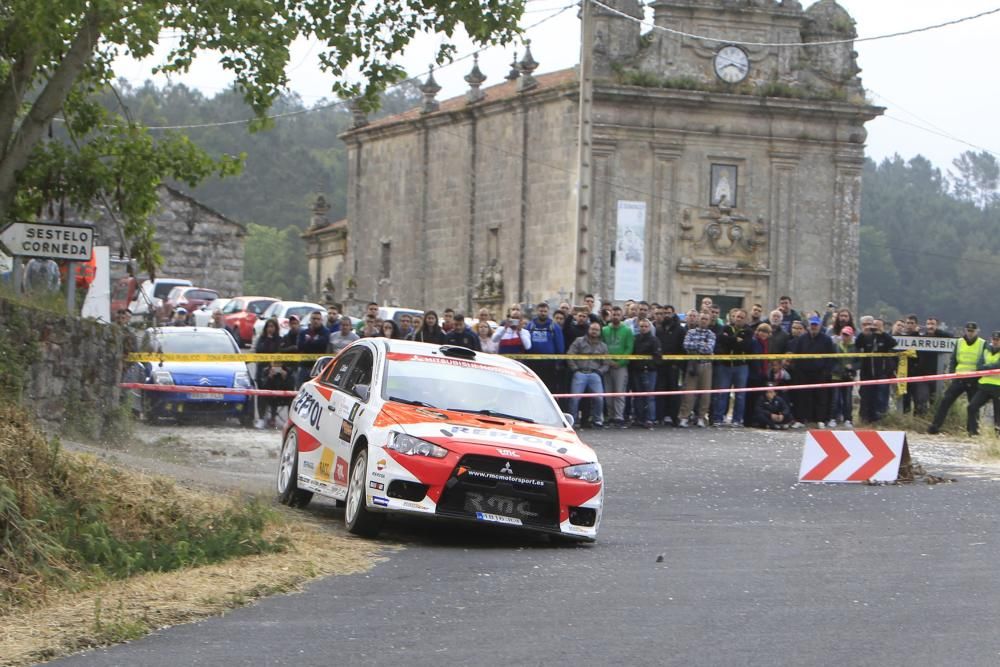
731	64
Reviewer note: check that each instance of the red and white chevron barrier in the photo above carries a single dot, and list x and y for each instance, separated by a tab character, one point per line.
852	456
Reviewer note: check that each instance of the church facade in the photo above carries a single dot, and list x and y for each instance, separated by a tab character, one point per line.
719	162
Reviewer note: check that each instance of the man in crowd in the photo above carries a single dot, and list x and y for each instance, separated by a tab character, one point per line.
699	340
587	374
546	338
670	331
874	368
620	340
756	313
448	320
461	336
778	342
965	359
313	340
812	405
371	315
342	336
405	326
788	314
733	339
643	373
989	386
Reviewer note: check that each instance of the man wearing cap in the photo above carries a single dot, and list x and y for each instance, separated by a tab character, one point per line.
180	318
989	386
812	405
964	359
872	340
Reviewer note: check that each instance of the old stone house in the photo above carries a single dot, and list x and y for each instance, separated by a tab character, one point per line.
721	159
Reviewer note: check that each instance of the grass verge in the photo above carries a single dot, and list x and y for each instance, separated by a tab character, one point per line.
92	555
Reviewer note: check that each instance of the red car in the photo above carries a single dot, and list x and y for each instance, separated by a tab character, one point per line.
189	298
241	313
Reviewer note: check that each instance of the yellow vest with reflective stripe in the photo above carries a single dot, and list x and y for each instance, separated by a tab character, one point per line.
990	358
967	356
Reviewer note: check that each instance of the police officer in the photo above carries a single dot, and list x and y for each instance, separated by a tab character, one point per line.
989	385
964	359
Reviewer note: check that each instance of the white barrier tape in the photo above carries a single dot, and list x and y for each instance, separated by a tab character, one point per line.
186	389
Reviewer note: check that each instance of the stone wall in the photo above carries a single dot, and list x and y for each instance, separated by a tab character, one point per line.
73	383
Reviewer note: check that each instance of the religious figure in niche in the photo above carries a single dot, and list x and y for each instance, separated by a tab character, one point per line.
723	192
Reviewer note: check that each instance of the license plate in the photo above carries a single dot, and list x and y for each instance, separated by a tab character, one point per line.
207	397
496	518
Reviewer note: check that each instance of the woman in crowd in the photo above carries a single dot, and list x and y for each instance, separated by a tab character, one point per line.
270	375
389	329
757	375
430	331
486	342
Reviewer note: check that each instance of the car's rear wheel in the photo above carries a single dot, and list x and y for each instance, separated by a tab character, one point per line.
289	492
358	519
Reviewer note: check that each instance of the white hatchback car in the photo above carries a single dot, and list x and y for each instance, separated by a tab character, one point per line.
394	426
281	310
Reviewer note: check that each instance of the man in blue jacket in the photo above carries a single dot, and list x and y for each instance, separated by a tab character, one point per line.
546	338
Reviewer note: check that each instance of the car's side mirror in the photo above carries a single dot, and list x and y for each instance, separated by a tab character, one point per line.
362	391
569	418
319	366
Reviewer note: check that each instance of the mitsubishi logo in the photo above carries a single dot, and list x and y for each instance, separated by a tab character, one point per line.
204	382
507	469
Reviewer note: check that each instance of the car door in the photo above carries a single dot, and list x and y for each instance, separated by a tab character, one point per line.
321	409
350	396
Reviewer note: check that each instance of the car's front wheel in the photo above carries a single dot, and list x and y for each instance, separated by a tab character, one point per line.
289	492
358	518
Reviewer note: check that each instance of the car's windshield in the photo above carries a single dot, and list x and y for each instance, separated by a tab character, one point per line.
161	290
457	384
202	294
194	341
258	307
233	306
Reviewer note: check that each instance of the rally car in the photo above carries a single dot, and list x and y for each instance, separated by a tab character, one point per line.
394	426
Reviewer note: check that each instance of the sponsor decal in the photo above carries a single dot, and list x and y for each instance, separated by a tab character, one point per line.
507	469
494	434
325	465
378	486
378	475
346	431
308	408
413	505
498	477
380	501
380	464
308	465
509	453
461	363
340	471
496	518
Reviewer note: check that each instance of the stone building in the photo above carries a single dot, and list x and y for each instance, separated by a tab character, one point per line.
731	170
196	242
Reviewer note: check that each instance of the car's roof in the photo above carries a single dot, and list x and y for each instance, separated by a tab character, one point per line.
295	304
211	331
413	347
255	298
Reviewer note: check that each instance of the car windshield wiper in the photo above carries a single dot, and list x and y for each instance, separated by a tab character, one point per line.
411	402
493	413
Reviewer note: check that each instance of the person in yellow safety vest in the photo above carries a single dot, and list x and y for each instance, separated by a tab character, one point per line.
964	359
989	385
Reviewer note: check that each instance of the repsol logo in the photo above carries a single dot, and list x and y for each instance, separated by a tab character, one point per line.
494	434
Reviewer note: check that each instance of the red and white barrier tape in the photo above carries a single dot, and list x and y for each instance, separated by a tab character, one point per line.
186	389
678	392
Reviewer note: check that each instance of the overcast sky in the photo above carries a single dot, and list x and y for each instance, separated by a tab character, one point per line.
943	80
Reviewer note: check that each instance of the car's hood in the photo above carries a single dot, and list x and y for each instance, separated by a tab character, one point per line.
217	373
444	426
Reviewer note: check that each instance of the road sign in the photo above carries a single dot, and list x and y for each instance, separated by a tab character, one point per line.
925	343
852	456
29	239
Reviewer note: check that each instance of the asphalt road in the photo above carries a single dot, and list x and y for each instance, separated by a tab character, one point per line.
756	570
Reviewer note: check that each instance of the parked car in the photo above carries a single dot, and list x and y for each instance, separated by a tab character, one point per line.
222	374
397	427
390	313
281	310
149	298
203	316
190	298
241	313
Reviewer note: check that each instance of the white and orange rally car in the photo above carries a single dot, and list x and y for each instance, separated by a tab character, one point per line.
393	426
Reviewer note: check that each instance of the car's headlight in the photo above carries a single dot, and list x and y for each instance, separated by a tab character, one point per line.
242	379
407	444
162	377
588	472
